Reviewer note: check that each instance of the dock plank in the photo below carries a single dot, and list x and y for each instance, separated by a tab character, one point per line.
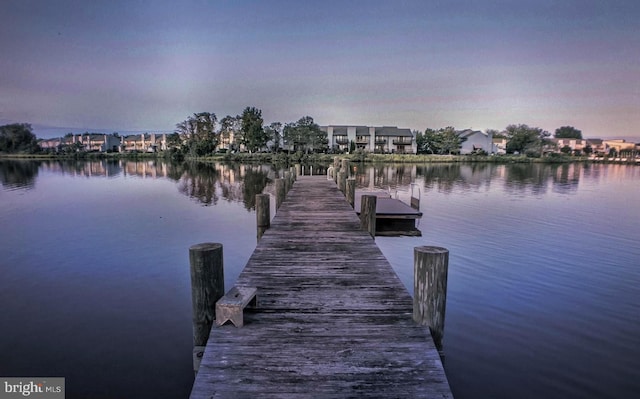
332	320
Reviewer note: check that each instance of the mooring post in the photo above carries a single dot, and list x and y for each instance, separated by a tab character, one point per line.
280	193
336	162
430	266
368	214
298	169
345	167
287	181
207	286
342	181
292	170
263	217
351	191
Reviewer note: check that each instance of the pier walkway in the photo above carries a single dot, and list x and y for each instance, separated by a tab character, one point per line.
332	318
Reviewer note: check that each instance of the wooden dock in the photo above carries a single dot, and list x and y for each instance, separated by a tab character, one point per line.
332	318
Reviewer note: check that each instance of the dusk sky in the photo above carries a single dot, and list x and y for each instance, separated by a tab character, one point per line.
147	65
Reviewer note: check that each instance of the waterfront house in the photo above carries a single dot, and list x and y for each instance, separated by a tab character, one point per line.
90	142
477	140
621	147
378	139
576	145
144	142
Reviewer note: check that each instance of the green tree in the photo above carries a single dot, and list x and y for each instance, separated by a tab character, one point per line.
305	135
198	131
450	141
231	132
253	135
428	142
565	150
568	132
526	140
274	134
18	137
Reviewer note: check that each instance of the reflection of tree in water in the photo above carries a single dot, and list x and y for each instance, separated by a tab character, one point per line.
207	183
255	180
198	181
442	177
566	178
521	177
18	174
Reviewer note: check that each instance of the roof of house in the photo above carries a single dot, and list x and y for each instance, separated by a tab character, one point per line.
469	132
393	131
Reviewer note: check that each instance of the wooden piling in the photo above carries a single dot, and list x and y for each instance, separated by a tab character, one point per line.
430	266
263	213
351	191
287	181
207	286
280	192
368	214
292	170
345	167
298	168
342	181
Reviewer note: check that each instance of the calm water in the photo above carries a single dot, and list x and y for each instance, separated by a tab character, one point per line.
544	278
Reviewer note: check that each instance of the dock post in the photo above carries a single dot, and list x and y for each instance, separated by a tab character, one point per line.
336	162
298	169
294	175
351	191
368	214
280	192
342	181
430	266
207	286
287	181
345	167
263	217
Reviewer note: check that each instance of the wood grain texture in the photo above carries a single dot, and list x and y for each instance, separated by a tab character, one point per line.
333	319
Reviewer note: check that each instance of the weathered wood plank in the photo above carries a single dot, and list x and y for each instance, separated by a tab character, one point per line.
333	319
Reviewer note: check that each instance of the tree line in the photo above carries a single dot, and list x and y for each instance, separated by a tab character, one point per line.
202	134
521	139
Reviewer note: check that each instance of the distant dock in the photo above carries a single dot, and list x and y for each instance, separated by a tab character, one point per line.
332	319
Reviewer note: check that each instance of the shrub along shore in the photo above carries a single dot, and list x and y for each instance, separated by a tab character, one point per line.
283	158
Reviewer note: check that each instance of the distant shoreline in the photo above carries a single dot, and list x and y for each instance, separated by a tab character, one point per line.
325	158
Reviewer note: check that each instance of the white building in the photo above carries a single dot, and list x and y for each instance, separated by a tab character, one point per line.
477	140
378	139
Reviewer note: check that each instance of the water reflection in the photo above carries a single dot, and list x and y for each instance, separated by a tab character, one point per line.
207	183
16	175
518	179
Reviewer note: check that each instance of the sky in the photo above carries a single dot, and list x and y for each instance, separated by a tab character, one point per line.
146	65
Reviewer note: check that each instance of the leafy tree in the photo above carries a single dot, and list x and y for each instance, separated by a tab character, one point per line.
231	131
18	137
568	132
305	135
526	140
253	135
274	134
428	142
198	131
565	150
450	141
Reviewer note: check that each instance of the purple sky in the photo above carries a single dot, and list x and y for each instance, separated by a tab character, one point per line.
146	65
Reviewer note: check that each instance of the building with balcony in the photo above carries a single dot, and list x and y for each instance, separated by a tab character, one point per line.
378	139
